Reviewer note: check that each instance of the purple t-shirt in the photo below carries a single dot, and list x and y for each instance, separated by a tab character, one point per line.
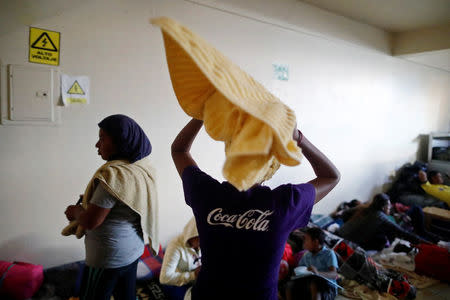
242	234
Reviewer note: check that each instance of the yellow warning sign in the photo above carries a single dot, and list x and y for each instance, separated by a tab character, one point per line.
44	46
75	89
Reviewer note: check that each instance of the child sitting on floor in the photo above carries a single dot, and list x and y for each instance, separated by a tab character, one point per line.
319	260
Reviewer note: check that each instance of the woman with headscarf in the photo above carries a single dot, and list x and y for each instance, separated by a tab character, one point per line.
118	205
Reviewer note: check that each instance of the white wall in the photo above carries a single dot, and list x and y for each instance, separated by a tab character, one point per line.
363	108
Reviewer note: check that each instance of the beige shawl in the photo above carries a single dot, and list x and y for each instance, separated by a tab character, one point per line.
134	185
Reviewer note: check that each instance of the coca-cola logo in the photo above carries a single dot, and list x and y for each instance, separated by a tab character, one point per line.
253	219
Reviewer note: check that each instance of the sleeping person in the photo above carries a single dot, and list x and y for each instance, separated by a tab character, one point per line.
181	263
433	184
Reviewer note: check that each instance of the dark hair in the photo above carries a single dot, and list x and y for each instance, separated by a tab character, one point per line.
354	202
316	234
407	181
432	173
296	240
379	201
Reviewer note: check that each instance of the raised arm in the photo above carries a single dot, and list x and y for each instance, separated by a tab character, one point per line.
327	174
182	145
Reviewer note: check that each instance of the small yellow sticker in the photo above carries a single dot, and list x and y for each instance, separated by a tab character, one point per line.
44	46
77	100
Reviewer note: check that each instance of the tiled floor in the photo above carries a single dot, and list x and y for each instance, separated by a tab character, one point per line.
439	291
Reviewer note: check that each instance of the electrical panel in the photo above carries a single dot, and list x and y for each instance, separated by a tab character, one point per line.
30	94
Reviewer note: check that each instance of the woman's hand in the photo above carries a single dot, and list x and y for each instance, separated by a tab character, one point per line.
297	136
73	212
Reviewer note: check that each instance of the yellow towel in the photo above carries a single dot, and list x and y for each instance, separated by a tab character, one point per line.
134	185
255	125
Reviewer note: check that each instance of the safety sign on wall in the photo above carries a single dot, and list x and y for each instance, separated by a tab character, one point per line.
74	89
44	46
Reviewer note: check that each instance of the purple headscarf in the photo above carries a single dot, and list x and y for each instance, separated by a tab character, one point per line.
129	138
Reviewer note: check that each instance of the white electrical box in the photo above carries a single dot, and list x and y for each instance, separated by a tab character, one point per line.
30	94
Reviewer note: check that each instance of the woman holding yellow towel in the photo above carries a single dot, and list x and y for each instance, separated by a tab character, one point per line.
243	233
118	205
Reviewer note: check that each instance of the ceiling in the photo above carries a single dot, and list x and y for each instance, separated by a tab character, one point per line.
438	59
411	22
16	13
391	15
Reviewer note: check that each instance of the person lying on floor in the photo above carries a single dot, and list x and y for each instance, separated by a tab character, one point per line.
410	190
181	263
410	218
371	227
433	184
345	210
319	260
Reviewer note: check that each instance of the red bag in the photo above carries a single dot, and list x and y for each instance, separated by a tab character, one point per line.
433	261
20	280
